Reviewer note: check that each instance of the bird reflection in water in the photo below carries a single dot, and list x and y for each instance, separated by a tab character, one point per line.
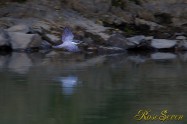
68	84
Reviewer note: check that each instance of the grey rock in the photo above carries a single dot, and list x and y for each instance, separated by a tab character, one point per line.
183	44
163	43
38	26
137	39
95	31
179	34
149	38
163	56
180	38
53	38
45	45
120	41
173	11
152	25
4	38
19	28
24	41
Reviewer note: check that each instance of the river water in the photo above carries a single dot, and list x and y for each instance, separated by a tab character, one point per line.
64	88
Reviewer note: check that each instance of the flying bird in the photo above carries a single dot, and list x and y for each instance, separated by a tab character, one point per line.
68	43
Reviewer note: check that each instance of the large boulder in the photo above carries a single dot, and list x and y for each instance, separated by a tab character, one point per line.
120	41
19	28
137	39
152	25
53	39
4	38
24	41
163	43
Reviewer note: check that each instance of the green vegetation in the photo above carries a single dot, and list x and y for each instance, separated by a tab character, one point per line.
118	3
129	31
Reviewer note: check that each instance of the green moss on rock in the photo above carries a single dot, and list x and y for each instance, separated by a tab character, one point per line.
118	3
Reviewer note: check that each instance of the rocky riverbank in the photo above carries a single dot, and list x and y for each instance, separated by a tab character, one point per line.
107	28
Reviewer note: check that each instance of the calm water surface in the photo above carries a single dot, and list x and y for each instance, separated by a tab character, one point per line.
62	88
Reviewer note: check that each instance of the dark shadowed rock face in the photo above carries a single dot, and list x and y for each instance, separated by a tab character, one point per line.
120	41
167	11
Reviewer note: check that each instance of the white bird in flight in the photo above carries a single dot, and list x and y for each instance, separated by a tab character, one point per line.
68	43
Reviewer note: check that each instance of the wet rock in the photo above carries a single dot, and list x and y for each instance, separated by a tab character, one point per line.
180	38
102	49
52	38
40	26
152	25
45	45
24	41
95	31
163	56
163	43
4	38
182	45
91	49
120	41
179	34
137	39
88	40
19	28
149	38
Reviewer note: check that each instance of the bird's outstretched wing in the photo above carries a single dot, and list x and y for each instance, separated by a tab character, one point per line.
67	35
69	46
